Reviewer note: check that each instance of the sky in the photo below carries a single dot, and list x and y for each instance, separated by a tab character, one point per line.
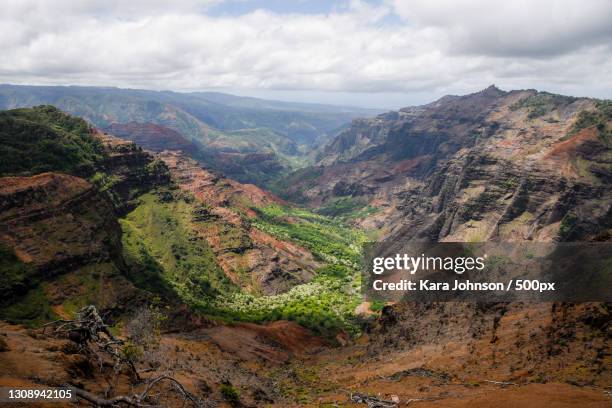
382	54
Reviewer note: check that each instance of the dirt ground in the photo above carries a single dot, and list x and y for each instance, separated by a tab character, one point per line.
282	365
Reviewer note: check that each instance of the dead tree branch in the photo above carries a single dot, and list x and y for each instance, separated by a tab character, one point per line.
372	402
139	400
96	341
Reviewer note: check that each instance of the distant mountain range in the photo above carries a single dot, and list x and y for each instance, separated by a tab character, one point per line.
227	129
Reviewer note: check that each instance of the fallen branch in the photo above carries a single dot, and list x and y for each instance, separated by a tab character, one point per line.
372	402
502	383
96	341
138	400
102	402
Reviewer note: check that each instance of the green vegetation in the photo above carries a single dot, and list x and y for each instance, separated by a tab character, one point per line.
45	139
165	253
304	384
598	118
88	279
347	208
475	207
230	393
328	239
31	310
103	181
377	305
542	103
341	206
165	256
324	305
567	225
335	271
15	274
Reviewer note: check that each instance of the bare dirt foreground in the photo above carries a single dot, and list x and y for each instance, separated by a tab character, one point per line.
420	387
282	365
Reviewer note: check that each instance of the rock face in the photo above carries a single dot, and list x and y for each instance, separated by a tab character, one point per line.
60	239
493	165
60	230
251	258
128	172
541	342
55	223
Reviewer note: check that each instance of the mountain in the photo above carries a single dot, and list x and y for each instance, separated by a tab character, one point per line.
493	165
227	129
489	166
250	300
169	225
90	218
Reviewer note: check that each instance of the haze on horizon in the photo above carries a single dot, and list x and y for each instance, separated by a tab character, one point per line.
379	53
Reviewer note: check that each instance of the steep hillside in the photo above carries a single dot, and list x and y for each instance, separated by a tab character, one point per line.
52	223
168	225
490	165
44	139
132	233
60	237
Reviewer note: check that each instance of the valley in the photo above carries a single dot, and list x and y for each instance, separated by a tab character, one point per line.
248	139
235	226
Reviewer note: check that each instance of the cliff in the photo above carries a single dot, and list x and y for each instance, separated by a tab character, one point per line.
494	165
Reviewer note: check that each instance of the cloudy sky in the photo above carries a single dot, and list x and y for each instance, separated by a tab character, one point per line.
384	53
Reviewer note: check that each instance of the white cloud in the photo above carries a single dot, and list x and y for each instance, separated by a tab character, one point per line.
452	46
514	28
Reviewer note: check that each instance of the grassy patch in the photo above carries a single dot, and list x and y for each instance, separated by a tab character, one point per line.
542	103
328	239
347	208
166	255
32	310
15	275
230	393
567	225
89	281
598	118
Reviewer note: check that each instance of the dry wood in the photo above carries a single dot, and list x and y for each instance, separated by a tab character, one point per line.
95	340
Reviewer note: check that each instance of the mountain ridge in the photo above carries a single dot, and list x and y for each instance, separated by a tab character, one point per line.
397	159
284	131
241	273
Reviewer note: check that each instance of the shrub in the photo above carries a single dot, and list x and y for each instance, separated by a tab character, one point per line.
14	276
230	393
567	225
598	118
132	352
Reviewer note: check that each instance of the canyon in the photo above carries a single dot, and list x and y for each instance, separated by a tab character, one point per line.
258	282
